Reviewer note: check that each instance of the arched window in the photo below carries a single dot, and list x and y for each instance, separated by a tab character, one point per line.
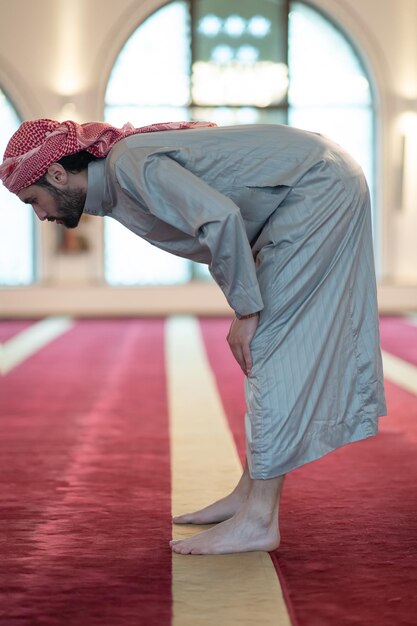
16	219
235	62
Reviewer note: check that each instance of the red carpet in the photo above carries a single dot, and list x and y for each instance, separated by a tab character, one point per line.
349	520
10	328
85	483
399	338
85	475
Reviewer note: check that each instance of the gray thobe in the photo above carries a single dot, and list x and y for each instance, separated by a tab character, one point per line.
282	218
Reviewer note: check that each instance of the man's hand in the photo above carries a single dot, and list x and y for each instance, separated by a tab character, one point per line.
239	338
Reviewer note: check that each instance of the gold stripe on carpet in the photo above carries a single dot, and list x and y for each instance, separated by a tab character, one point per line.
233	589
400	372
25	344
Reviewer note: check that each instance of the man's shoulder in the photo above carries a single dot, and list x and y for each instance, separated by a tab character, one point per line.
116	152
120	156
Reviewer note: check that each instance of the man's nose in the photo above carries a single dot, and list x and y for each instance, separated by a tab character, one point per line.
40	213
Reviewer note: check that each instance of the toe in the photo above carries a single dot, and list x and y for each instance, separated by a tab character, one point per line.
177	547
180	519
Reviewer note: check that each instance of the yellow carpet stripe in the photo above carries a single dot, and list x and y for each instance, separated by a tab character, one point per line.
22	346
232	589
400	372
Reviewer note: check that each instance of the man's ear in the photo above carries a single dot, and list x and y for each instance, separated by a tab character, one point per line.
57	175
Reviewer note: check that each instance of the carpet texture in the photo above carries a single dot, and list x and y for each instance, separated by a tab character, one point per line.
11	328
85	479
399	337
349	520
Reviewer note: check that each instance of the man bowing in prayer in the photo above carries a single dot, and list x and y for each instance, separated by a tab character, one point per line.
282	218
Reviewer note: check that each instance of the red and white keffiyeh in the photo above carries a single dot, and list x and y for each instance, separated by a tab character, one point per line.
39	143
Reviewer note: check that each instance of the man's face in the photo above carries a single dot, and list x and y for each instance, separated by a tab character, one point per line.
55	205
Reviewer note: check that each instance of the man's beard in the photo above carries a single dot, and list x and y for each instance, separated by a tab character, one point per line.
69	205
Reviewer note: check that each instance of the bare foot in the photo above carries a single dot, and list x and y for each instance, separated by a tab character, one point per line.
241	533
217	512
222	509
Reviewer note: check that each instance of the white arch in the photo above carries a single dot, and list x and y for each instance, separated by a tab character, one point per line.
354	27
18	91
116	39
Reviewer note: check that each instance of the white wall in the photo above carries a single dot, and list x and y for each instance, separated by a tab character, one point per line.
55	59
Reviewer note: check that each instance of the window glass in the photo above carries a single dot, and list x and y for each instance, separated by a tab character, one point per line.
16	219
329	91
149	82
229	116
239	53
152	69
130	260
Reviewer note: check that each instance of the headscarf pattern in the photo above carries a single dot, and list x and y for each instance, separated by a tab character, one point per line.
39	143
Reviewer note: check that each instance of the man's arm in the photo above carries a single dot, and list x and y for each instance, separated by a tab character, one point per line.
177	197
